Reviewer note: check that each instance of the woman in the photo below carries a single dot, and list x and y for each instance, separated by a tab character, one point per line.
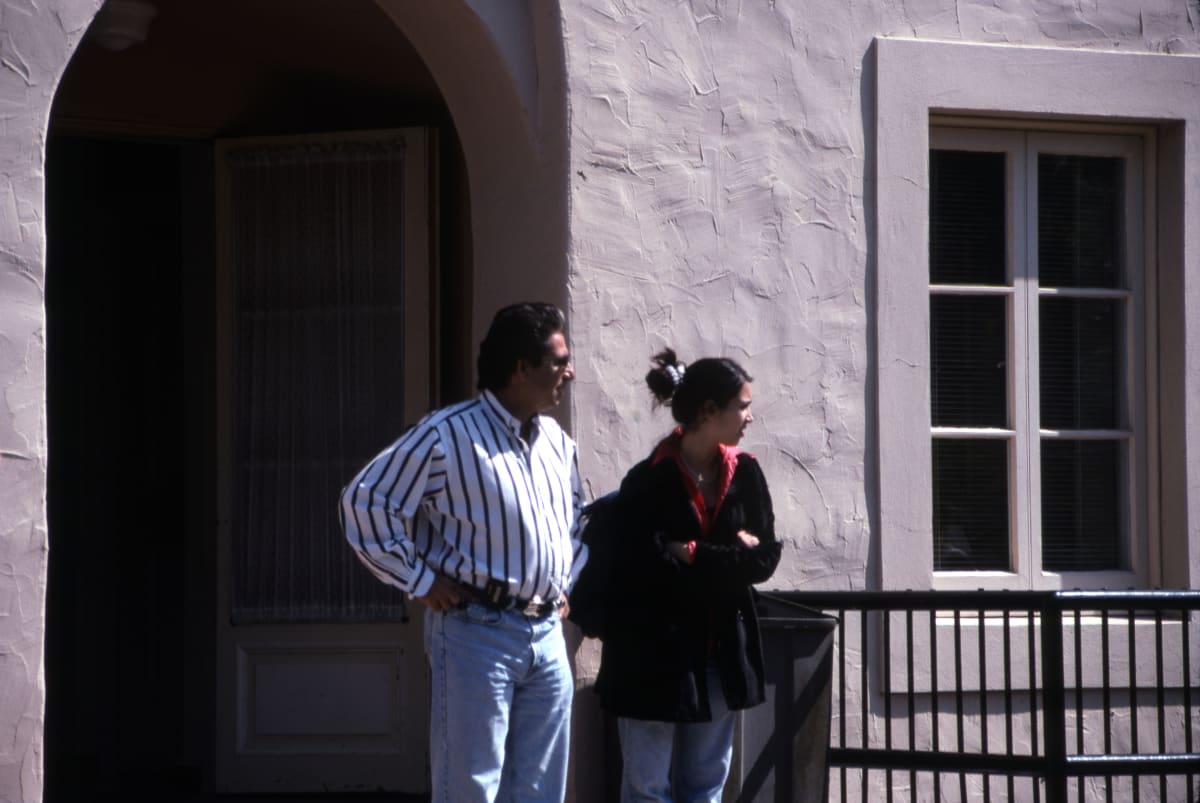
682	650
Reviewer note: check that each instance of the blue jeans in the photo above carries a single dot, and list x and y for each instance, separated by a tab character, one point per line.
684	762
500	706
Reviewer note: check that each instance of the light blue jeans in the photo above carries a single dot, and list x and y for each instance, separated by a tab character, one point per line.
685	762
500	708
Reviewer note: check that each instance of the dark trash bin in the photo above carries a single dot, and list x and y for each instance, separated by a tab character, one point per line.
782	749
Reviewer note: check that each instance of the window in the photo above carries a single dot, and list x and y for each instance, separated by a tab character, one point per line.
1071	105
1036	357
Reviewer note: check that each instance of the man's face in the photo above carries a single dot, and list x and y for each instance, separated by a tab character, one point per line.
546	382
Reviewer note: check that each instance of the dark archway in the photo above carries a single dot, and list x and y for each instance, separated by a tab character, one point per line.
130	667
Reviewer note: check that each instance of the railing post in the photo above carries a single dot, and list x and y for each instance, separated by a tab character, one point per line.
1054	701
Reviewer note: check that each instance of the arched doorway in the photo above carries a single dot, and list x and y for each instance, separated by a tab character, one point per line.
139	411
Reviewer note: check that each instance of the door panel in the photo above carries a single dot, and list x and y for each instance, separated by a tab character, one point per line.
343	709
324	697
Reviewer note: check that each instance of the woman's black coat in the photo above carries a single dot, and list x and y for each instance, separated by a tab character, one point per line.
668	620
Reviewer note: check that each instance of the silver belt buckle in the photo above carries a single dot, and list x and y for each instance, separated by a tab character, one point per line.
533	609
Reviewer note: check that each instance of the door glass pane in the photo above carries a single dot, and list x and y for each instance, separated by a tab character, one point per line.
968	360
1081	232
1081	505
967	222
318	249
1079	363
970	505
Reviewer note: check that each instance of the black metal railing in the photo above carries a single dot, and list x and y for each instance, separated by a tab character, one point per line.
993	695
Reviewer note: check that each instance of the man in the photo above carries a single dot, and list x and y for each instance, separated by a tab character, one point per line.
473	512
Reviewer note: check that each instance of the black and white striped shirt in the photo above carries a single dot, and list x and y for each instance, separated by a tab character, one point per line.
462	494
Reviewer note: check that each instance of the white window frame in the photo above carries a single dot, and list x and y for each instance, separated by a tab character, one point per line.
1022	287
920	83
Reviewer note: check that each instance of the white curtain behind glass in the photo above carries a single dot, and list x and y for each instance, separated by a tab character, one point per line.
318	235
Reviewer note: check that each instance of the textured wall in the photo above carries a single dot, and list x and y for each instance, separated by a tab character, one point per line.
36	41
721	203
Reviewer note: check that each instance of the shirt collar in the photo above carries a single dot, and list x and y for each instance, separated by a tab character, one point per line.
669	447
510	422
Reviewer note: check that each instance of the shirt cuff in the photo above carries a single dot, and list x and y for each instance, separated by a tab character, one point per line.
425	577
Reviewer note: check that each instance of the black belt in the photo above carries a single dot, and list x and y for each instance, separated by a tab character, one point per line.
498	599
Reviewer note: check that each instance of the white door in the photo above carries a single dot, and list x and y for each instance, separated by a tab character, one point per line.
325	356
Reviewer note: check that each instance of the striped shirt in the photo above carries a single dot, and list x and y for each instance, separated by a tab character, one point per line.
463	495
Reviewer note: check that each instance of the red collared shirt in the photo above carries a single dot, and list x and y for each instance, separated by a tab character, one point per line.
669	448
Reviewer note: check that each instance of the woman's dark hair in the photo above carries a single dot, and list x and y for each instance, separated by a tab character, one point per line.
518	332
687	388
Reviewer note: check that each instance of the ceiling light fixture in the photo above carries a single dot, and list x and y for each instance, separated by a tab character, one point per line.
121	23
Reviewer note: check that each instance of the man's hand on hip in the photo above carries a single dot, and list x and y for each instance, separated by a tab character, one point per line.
442	595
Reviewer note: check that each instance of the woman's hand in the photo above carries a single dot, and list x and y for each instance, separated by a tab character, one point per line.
747	539
679	551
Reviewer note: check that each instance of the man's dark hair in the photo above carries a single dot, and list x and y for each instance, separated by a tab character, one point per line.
518	332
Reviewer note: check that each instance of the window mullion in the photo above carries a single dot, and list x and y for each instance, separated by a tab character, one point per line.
1139	368
1146	312
1024	370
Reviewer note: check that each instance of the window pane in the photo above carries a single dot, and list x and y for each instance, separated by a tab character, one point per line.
1081	506
1079	363
1081	239
970	504
966	218
968	365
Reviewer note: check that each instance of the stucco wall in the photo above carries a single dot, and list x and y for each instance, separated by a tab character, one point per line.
36	40
721	202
